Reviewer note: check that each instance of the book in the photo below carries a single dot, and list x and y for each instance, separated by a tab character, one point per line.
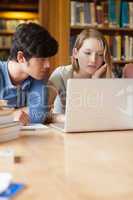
124	14
111	13
73	12
87	16
6	116
12	190
3	103
9	131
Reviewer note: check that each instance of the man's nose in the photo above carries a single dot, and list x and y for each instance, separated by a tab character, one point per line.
47	64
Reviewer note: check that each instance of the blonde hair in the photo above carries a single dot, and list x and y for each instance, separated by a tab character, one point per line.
92	33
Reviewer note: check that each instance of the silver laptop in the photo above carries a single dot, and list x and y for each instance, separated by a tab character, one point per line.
98	105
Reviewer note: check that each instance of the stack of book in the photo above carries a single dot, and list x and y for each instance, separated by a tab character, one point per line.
8	128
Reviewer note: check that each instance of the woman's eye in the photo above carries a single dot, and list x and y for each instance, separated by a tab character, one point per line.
87	53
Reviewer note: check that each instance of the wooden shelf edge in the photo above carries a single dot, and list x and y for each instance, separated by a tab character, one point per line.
80	27
6	32
18	15
122	61
4	48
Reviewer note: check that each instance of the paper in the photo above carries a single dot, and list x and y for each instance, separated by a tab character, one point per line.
34	127
5	180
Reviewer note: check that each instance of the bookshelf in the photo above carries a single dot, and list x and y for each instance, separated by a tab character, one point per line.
11	14
113	18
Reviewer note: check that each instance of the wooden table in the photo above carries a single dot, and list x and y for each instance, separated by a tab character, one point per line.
87	166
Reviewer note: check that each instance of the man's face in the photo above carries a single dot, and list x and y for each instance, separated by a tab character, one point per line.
37	68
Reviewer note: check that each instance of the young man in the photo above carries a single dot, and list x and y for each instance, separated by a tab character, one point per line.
23	78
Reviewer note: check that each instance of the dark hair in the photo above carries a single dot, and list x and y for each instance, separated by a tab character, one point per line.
34	41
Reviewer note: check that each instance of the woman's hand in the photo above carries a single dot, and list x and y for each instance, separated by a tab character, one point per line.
100	71
22	117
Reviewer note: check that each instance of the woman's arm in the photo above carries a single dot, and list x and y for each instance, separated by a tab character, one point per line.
52	93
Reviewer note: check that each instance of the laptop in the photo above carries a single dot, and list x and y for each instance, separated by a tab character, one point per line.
98	105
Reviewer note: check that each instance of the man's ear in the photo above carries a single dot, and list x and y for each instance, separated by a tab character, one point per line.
75	53
20	57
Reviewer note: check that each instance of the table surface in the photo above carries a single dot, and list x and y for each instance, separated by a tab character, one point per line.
78	166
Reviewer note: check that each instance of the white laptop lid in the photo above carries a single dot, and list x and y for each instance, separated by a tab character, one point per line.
99	104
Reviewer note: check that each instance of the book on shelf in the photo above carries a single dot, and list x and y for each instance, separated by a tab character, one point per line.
125	15
5	41
108	13
130	14
114	9
99	15
104	5
11	24
73	13
87	14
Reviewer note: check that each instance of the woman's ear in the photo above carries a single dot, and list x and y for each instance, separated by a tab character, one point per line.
20	57
75	53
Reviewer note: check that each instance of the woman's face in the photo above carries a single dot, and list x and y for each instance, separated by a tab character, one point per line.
90	56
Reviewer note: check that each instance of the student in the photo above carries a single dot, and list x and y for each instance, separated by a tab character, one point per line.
91	58
23	78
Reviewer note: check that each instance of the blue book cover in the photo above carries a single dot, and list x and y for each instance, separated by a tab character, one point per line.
12	190
87	15
124	14
111	12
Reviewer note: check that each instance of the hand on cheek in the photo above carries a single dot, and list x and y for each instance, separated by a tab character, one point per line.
100	71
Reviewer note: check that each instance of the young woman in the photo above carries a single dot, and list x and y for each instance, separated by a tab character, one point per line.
91	58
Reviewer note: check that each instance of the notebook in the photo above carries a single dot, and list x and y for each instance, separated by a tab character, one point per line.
98	105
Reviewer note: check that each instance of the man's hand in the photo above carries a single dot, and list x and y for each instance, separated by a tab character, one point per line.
100	71
22	117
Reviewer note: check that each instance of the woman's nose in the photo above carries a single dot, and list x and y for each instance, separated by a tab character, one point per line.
93	58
